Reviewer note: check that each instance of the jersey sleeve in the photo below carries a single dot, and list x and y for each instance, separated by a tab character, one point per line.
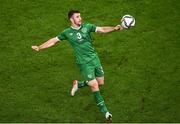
92	27
62	36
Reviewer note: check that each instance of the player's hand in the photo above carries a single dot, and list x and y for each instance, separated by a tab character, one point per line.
118	27
36	48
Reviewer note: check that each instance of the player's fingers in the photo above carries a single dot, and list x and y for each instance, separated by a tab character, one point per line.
35	48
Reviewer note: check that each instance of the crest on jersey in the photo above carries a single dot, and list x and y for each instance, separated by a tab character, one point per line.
84	30
90	76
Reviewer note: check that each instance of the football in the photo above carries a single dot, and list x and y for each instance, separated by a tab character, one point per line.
128	21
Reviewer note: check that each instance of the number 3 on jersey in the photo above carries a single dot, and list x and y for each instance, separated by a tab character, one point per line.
79	36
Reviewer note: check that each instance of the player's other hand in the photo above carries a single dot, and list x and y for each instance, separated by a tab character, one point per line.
36	48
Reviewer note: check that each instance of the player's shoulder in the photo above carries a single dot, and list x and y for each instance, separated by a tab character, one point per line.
88	24
89	27
66	30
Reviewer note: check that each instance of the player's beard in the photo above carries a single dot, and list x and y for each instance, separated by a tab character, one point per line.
78	23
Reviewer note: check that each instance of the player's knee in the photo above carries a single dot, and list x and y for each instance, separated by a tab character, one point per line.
101	83
94	85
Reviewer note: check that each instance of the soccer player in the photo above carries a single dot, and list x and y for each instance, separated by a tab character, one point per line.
79	36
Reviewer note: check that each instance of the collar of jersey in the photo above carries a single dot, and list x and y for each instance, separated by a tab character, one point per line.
76	28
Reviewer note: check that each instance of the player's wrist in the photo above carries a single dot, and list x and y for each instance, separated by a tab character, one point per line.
38	48
121	27
117	27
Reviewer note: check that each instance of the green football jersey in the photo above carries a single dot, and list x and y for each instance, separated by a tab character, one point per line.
81	42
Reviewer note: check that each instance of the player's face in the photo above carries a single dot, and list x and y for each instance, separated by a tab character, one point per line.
76	19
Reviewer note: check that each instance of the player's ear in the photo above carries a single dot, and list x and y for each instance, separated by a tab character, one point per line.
71	19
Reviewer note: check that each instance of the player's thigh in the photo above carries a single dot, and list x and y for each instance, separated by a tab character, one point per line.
87	72
99	72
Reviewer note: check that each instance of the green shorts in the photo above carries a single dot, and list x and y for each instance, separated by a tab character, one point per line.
92	69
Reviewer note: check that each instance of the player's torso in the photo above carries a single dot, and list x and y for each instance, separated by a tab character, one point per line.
78	36
81	41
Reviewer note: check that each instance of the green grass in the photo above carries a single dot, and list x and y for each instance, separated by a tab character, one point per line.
142	72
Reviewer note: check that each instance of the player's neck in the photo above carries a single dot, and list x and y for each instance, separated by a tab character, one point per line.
74	26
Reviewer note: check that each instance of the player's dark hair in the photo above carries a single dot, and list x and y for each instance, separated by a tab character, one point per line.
71	12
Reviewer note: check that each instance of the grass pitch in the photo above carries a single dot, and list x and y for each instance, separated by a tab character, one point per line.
141	64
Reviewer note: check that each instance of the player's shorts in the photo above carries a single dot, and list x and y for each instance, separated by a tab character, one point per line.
92	69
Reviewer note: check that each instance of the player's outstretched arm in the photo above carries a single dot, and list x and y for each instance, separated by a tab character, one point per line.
47	44
109	29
